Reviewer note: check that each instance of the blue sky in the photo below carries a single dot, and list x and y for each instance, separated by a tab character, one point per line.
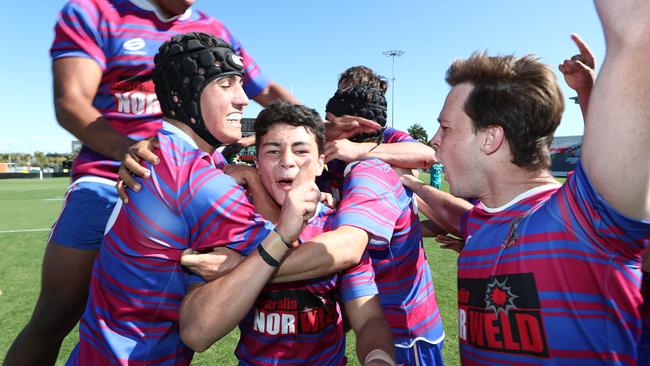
304	45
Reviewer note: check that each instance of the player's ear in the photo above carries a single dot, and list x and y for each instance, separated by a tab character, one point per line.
320	164
493	137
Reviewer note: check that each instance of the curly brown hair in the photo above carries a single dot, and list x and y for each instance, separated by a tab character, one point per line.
281	112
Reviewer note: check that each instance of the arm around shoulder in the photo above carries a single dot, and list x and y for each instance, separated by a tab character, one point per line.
328	253
409	155
208	312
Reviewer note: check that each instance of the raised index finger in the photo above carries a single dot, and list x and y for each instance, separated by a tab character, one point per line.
584	49
303	175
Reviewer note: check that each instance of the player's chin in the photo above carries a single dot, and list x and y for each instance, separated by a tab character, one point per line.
279	195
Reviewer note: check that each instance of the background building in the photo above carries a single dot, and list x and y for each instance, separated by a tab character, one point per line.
247	128
565	152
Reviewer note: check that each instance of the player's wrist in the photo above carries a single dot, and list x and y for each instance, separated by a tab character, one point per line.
122	148
285	242
273	249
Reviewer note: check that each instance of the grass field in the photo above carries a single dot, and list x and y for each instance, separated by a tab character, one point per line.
28	208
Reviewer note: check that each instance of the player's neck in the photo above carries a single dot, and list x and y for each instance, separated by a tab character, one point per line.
504	186
200	143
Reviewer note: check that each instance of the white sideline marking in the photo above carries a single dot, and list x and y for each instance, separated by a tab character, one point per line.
22	231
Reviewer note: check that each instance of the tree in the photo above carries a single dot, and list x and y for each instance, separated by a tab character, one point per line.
419	133
39	159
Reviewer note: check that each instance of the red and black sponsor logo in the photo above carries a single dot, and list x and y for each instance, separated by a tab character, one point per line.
502	313
136	95
141	82
294	312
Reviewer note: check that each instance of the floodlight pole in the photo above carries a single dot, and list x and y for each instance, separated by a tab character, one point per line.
392	54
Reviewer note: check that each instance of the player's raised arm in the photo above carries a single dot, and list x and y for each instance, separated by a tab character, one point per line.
616	148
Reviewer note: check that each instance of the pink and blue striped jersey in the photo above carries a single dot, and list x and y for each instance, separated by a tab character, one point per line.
645	309
643	350
393	135
551	278
138	283
123	36
331	180
300	323
375	201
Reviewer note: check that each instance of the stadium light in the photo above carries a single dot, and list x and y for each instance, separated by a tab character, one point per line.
393	54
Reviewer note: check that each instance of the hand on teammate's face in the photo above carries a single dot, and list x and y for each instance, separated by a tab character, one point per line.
345	150
242	174
344	127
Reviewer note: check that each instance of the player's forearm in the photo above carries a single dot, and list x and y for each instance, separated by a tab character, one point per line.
76	81
370	327
583	101
433	226
408	155
212	310
85	122
430	229
375	334
323	255
446	210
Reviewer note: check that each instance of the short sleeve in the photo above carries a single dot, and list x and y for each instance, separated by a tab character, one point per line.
588	209
77	33
392	135
369	202
358	281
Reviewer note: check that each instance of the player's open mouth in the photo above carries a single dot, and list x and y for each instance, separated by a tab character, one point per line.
285	183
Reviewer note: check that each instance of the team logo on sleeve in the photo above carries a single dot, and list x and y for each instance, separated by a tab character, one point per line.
294	312
502	313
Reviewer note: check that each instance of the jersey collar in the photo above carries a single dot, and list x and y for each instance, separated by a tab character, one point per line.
150	5
522	196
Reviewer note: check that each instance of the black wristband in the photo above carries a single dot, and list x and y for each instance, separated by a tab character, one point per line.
267	257
282	239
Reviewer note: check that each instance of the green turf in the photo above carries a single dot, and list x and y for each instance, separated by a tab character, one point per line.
34	204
